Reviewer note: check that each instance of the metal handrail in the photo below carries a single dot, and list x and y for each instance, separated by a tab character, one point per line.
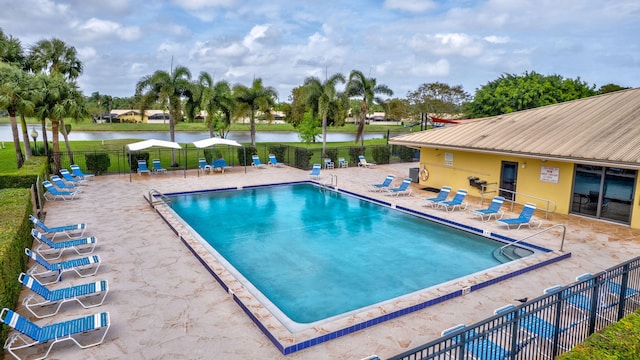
564	232
164	197
551	205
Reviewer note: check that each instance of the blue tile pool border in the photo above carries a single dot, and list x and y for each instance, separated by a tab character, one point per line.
286	350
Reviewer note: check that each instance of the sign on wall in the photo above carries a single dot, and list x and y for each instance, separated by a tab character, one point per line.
448	159
549	174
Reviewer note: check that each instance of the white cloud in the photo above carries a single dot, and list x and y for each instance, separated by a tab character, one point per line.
202	4
415	6
437	69
447	44
97	28
497	39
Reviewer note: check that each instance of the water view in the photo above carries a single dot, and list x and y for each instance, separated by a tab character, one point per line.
187	137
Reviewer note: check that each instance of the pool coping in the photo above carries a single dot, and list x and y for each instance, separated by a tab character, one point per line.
288	342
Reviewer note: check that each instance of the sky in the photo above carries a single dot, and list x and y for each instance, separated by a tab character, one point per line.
400	43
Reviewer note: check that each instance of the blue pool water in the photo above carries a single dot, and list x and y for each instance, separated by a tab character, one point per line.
317	254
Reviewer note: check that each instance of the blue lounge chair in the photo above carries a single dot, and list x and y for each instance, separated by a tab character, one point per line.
493	209
53	193
383	185
66	175
363	162
53	250
256	162
273	161
83	267
456	202
343	163
30	334
403	189
220	165
525	218
63	186
44	302
442	196
535	326
479	347
615	289
328	164
203	166
143	168
73	230
77	172
315	171
157	166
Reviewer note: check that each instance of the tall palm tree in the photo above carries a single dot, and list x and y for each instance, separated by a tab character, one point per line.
15	97
168	89
360	85
54	57
56	98
257	97
321	94
217	98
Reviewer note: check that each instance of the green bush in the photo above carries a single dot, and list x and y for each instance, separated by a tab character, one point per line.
302	157
14	238
618	341
381	154
332	154
354	154
406	154
98	163
249	151
278	151
140	155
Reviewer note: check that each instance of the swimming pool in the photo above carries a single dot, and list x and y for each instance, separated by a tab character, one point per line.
317	254
266	315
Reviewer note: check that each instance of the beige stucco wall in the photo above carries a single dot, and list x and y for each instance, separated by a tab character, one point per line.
453	168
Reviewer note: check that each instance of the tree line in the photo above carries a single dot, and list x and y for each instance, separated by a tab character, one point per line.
41	82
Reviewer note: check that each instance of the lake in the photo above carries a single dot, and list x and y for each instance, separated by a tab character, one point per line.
186	137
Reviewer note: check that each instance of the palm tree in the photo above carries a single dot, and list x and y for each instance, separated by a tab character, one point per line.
217	98
168	89
360	85
56	98
321	95
257	97
54	57
15	97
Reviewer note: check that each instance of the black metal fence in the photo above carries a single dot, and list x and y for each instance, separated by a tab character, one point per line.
118	160
546	326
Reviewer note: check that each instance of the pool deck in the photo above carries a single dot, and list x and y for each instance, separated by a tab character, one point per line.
164	304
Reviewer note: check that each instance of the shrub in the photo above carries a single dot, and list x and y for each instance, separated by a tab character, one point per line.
406	154
140	155
619	340
278	151
98	163
381	154
302	157
249	151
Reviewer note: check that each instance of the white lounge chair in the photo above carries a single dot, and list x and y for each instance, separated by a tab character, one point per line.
363	162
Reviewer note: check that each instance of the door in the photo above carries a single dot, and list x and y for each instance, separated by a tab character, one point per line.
508	179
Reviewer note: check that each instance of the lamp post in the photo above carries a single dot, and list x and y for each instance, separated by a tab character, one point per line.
34	135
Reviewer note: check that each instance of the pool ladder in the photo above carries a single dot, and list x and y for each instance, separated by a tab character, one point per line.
155	194
333	181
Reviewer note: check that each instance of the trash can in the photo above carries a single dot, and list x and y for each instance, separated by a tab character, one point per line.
414	174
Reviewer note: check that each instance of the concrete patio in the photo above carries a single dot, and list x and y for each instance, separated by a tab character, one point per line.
165	305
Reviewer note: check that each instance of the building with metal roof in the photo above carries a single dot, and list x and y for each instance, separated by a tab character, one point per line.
579	157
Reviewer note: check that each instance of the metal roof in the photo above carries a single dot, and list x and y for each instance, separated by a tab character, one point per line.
602	129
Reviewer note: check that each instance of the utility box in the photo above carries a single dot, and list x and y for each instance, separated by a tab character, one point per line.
414	174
